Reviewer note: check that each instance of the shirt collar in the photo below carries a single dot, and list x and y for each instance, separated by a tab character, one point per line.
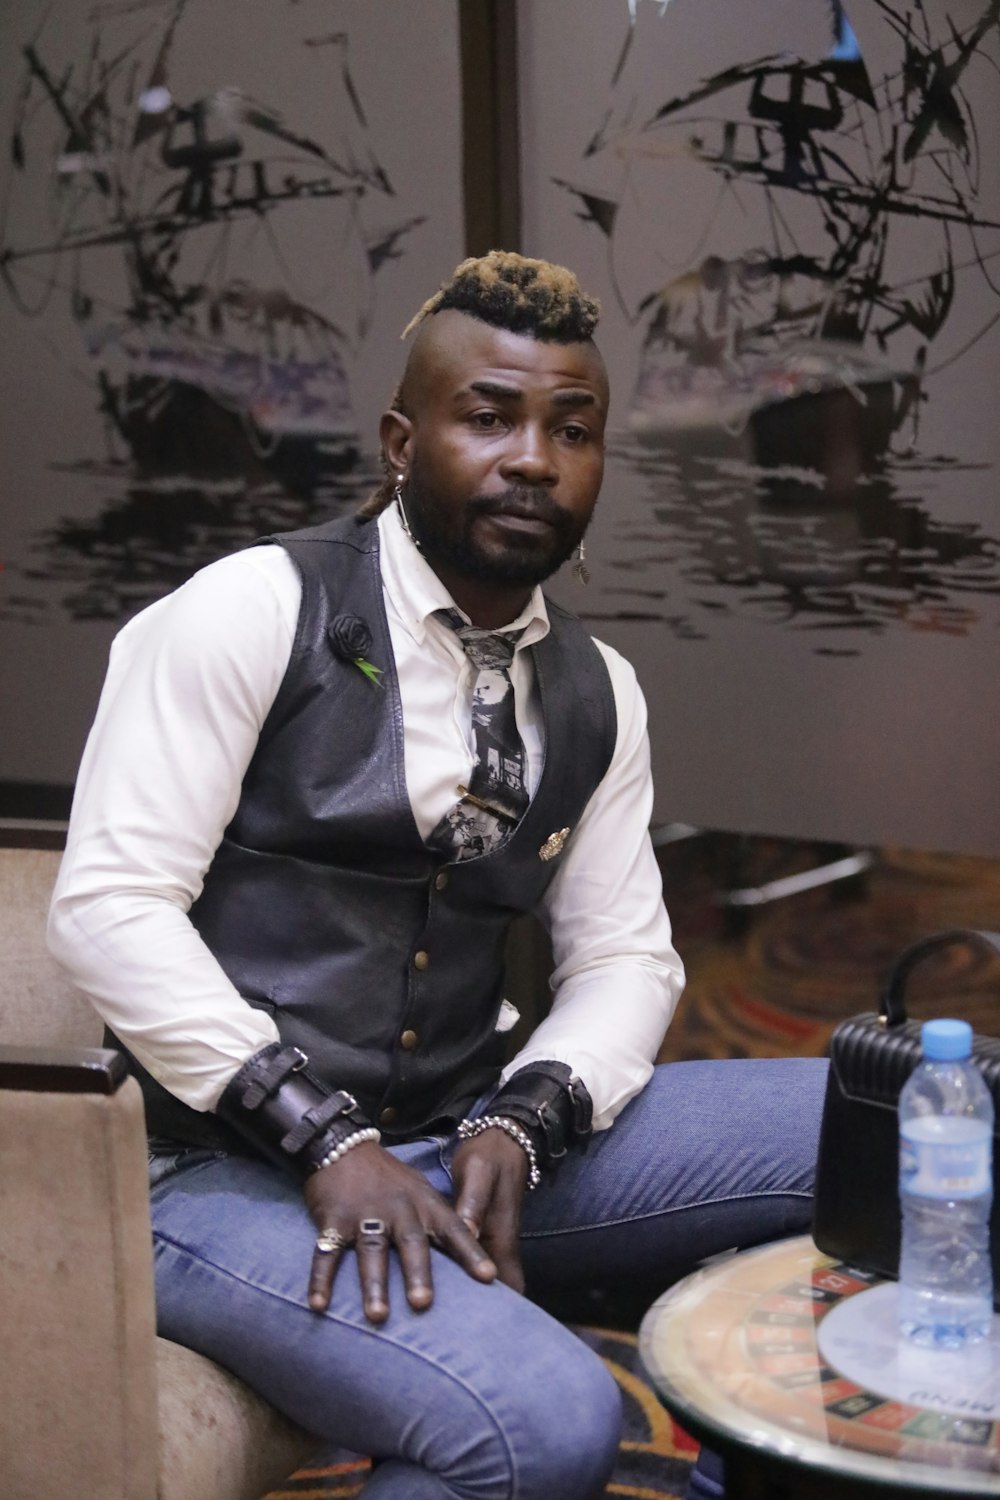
415	591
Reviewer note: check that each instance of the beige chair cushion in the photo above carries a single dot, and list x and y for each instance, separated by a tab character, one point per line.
87	1392
218	1441
77	1374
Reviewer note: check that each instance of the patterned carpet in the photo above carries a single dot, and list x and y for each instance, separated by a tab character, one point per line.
768	984
776	981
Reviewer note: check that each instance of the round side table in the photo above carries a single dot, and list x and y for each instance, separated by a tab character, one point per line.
789	1364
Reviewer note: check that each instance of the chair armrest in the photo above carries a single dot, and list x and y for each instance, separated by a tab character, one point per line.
62	1070
78	1374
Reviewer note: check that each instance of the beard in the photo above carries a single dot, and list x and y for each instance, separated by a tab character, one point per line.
518	561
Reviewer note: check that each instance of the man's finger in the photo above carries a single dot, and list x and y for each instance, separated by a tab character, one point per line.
501	1239
415	1259
456	1239
502	1231
372	1251
474	1194
326	1258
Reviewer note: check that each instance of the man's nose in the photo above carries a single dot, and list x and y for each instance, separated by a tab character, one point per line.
530	456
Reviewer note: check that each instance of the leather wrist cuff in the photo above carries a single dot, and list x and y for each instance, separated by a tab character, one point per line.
552	1105
287	1113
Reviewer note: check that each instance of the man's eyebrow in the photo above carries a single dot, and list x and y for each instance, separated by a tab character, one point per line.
495	388
501	392
574	398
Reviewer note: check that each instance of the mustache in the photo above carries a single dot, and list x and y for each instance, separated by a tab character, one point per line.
521	500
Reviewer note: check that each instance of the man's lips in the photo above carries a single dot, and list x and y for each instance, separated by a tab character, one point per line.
527	523
525	514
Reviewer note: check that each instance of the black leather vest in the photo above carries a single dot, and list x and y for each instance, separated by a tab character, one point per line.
324	906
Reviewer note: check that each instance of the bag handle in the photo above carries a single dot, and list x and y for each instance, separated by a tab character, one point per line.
891	1005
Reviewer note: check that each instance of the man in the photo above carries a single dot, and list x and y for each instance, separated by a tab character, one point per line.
324	776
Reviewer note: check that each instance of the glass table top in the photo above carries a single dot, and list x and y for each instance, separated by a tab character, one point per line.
788	1352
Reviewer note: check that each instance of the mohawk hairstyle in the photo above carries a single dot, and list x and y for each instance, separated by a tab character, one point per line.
521	295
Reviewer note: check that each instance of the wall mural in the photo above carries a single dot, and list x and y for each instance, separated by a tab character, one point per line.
202	208
802	360
793	215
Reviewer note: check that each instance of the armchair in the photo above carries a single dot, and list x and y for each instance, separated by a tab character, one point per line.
91	1400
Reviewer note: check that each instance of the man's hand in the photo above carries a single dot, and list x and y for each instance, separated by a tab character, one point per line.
490	1174
368	1183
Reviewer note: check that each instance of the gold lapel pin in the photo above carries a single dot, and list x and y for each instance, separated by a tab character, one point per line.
553	844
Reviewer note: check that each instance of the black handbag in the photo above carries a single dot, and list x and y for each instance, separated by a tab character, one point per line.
856	1215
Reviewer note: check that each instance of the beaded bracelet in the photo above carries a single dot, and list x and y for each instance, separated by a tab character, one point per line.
358	1138
469	1129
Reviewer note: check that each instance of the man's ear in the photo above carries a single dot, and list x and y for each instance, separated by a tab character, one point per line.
396	435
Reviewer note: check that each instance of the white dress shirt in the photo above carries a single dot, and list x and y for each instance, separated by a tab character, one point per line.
189	685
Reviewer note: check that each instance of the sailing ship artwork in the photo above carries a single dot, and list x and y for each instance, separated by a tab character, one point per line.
803	250
214	255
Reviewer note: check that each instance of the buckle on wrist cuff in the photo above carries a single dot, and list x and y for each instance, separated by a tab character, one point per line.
276	1069
318	1119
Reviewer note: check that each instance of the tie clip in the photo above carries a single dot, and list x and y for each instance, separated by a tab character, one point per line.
490	807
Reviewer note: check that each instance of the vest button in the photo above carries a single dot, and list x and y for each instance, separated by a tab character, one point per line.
441	880
387	1115
408	1040
421	959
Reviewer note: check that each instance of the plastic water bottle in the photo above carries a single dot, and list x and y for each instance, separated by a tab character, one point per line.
946	1191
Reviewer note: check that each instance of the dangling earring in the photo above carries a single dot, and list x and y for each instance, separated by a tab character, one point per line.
580	570
397	495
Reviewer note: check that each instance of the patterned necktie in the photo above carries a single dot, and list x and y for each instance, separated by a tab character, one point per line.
496	797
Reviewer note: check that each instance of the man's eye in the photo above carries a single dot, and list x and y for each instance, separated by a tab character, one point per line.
576	432
486	419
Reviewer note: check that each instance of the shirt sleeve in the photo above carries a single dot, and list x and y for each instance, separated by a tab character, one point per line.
189	685
617	976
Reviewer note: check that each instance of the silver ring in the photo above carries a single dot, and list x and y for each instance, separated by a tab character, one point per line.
329	1240
375	1228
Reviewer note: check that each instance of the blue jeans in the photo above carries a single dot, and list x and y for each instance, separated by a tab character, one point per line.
484	1396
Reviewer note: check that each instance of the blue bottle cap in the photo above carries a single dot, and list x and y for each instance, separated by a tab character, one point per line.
946	1041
